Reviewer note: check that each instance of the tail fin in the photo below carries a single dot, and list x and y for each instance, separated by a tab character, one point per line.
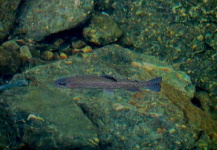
154	84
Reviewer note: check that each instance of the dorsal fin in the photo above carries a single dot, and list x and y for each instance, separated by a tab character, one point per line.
109	77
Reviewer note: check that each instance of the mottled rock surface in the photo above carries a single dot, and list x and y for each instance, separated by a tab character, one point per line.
44	119
7	16
124	119
102	30
9	57
41	18
182	33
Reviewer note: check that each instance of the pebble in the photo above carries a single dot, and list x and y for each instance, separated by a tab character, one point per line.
63	55
34	117
87	49
68	62
11	45
25	52
172	131
78	44
58	42
47	55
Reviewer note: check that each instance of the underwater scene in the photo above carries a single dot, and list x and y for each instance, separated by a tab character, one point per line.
108	74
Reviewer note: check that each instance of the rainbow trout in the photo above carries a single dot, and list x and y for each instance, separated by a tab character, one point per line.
17	83
107	82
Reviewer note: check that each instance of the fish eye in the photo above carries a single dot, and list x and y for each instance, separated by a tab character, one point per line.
62	83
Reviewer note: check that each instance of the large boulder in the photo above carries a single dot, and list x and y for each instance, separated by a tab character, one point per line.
7	16
49	117
42	118
40	18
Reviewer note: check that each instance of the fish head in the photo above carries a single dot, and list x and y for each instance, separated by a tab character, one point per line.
62	82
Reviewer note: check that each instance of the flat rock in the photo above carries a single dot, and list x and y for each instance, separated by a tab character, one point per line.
46	119
124	119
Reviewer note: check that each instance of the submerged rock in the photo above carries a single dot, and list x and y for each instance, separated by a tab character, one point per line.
179	32
11	45
124	119
102	30
7	15
9	58
38	19
45	119
25	52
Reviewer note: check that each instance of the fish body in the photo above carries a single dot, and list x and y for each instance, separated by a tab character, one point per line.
107	82
17	83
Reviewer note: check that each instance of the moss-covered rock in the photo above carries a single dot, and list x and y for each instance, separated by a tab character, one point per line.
46	119
124	119
9	58
40	18
102	30
7	17
181	33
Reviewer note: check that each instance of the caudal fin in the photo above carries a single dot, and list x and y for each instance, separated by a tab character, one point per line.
154	84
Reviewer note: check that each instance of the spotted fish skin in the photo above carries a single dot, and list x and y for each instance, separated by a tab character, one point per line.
107	82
